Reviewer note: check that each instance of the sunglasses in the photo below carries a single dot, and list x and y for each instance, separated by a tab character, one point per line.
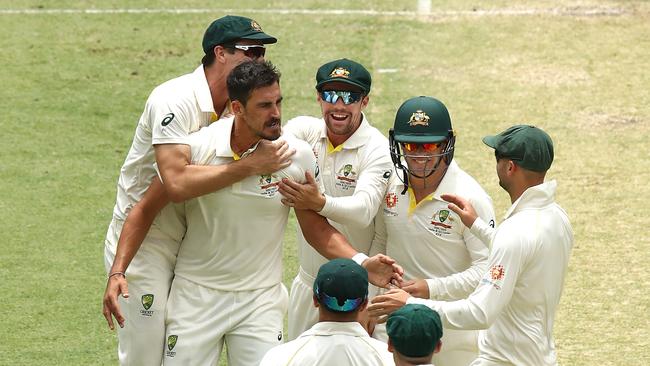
413	147
332	303
253	51
348	97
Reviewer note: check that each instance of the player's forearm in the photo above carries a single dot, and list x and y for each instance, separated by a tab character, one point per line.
192	181
483	231
322	236
358	209
134	231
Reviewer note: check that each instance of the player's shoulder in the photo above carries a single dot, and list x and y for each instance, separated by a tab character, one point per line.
174	91
304	126
301	146
467	185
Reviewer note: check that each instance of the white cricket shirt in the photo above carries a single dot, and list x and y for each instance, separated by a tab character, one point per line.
173	110
517	297
330	343
234	235
354	176
429	240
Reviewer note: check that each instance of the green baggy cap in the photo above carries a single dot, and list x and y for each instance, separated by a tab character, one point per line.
345	71
528	146
341	285
231	28
415	330
422	120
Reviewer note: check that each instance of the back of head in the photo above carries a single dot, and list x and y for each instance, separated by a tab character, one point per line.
527	146
248	76
414	331
341	286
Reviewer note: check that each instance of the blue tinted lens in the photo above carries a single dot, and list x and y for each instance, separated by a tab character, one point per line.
348	97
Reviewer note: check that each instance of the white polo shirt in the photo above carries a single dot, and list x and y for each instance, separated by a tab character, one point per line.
330	343
429	240
354	176
517	297
174	109
234	235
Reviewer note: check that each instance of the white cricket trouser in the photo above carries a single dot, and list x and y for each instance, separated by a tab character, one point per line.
302	312
200	320
149	278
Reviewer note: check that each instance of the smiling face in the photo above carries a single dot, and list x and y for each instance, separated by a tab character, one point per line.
262	112
421	162
342	120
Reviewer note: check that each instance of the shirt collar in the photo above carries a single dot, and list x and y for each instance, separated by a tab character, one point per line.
447	185
202	91
222	132
358	138
534	197
329	328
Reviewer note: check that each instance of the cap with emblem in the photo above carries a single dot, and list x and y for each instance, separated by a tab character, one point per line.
341	285
344	71
414	330
528	146
422	120
231	28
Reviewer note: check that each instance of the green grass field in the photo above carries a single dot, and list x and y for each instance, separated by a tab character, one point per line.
75	83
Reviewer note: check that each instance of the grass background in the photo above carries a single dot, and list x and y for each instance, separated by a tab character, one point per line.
74	85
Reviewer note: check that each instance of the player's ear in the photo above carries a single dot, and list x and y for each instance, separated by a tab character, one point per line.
237	107
364	101
315	300
220	54
391	349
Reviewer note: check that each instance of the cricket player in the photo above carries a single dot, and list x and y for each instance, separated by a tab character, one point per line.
340	294
517	297
173	110
441	258
355	167
227	285
414	333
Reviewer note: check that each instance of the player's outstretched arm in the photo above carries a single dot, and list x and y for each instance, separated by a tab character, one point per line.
330	243
184	180
134	230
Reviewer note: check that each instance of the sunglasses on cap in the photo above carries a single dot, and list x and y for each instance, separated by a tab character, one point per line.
348	97
253	51
428	147
332	303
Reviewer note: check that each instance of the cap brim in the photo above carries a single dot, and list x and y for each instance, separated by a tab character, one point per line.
340	80
491	141
260	36
419	139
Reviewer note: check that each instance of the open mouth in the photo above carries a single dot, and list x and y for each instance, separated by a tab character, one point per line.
339	116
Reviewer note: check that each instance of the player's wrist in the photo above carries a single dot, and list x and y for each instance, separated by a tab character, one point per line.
360	258
116	274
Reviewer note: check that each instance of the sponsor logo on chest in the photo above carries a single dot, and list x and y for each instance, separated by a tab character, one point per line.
440	223
268	185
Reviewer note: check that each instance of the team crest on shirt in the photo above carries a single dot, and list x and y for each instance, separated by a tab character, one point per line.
171	343
147	302
346	177
391	200
495	276
419	118
440	223
340	72
268	185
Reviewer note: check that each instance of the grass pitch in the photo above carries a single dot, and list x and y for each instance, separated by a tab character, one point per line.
75	84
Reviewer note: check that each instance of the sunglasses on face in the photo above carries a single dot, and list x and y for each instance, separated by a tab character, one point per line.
253	51
348	97
413	147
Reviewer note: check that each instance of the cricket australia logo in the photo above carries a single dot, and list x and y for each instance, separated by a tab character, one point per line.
346	177
147	302
171	343
340	72
255	26
439	219
268	184
419	118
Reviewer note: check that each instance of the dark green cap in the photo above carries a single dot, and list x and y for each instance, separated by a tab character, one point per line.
422	120
341	285
345	71
231	28
414	330
528	146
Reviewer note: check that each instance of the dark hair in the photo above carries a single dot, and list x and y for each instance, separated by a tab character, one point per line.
248	76
208	58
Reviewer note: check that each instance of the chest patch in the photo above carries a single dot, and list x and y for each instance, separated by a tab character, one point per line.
268	185
346	177
440	223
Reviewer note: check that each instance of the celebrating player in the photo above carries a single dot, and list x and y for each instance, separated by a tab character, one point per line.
517	297
173	110
442	259
354	170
